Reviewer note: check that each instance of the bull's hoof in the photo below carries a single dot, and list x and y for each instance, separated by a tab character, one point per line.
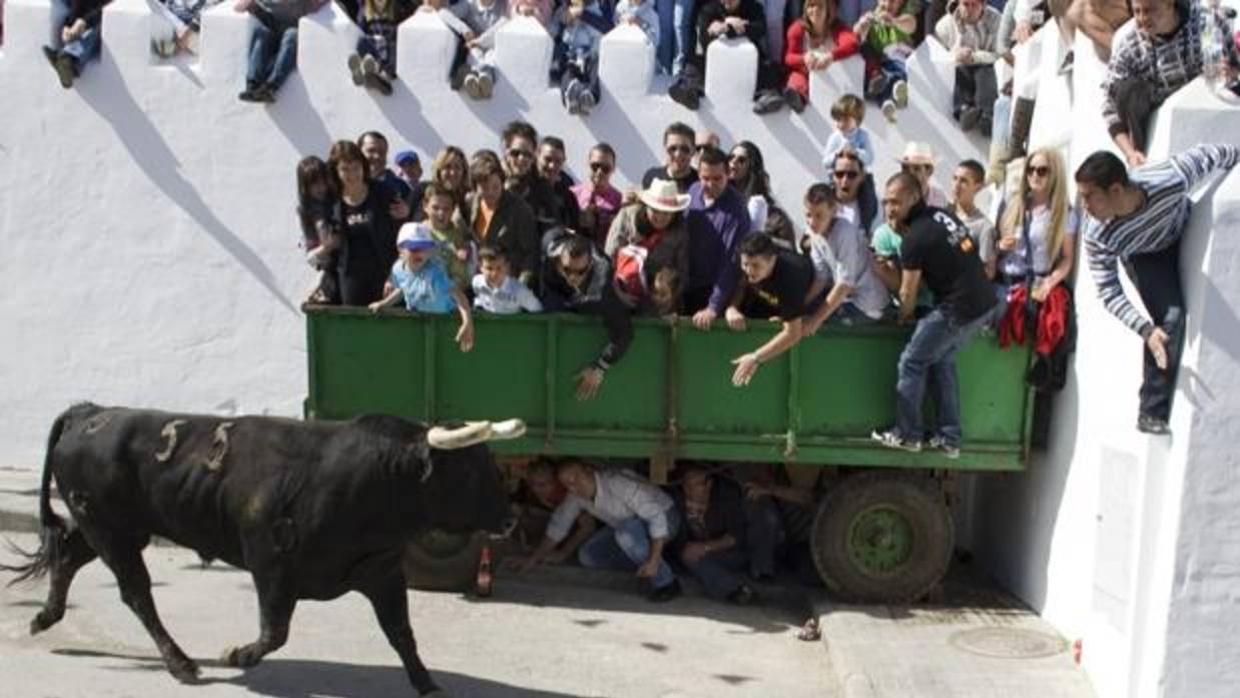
42	621
184	670
243	657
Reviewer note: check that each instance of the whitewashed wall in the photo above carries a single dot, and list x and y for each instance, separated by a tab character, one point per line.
1129	542
147	214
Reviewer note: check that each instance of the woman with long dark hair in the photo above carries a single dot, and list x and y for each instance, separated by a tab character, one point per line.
365	225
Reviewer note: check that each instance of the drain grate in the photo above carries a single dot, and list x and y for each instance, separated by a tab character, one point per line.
1008	643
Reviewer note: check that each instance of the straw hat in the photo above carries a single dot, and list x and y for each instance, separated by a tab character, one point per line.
662	195
918	153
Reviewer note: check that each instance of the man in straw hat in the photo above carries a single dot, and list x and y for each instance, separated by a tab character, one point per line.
918	160
650	247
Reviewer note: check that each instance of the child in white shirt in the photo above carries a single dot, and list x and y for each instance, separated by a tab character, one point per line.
497	292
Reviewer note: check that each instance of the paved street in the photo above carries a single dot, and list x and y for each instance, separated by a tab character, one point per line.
534	639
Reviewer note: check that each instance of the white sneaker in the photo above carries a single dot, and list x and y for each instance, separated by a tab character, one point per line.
899	91
472	87
486	84
355	68
891	439
587	101
940	443
889	111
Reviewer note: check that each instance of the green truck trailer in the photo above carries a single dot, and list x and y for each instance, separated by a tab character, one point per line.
883	529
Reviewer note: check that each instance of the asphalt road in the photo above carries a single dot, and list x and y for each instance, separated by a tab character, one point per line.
533	639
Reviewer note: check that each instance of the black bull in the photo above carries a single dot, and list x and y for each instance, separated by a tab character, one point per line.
312	509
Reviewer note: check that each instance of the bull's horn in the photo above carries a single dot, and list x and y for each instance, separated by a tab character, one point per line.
461	437
508	429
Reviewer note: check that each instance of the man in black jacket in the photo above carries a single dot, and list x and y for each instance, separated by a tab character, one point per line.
520	156
731	19
712	543
577	277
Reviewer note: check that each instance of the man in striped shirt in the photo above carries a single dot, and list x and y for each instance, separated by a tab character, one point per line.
1139	219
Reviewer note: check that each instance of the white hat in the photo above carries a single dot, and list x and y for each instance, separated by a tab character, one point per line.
918	153
415	236
662	195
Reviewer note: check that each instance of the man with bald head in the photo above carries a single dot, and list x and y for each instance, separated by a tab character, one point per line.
935	248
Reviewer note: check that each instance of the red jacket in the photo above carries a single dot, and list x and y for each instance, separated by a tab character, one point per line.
797	44
1052	320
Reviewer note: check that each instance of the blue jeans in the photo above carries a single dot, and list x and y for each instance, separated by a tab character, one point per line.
686	38
890	71
765	535
84	48
626	547
931	353
665	52
720	571
273	55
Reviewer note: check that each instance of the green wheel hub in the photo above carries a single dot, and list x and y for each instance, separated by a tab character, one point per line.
880	540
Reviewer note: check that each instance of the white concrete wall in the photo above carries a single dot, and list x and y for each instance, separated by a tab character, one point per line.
1128	542
147	214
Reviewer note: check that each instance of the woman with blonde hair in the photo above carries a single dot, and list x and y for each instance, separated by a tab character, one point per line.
450	172
1037	228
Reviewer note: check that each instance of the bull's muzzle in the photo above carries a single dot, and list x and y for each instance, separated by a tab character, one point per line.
473	433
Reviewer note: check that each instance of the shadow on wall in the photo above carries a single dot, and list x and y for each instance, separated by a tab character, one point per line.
297	119
148	149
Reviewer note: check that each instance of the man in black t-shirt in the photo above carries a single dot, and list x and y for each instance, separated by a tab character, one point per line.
678	144
783	281
937	248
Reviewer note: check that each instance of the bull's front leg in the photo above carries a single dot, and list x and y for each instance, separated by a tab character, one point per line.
276	601
388	597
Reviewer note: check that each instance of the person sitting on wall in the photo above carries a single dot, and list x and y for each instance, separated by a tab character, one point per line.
971	33
183	23
1139	218
373	64
782	281
712	541
476	22
273	44
938	248
641	14
857	203
597	199
80	40
731	19
551	159
420	279
815	40
717	222
639	521
578	278
366	225
646	238
842	260
520	142
679	146
1154	55
501	219
497	292
886	33
918	160
578	28
542	494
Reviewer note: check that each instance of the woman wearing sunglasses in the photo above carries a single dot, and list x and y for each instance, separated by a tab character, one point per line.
1037	228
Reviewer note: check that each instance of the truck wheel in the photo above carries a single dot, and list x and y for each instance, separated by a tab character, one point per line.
882	537
440	561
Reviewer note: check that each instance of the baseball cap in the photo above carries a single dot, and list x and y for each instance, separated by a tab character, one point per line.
415	236
406	156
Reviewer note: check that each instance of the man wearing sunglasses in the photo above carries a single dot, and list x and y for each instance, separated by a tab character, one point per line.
577	278
597	199
679	147
937	248
520	142
1139	218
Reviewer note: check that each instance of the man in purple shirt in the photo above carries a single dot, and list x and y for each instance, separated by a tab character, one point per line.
717	221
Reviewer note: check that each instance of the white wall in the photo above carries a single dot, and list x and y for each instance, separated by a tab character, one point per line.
1125	541
147	214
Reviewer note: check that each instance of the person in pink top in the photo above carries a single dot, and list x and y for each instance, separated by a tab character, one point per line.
596	198
814	41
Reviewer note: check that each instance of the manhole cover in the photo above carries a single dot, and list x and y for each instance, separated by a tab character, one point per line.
1007	643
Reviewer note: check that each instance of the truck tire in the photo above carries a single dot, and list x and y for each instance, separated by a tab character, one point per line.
441	561
882	537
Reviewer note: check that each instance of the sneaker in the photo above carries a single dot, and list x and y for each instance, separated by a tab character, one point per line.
1148	424
794	99
891	439
355	69
684	95
889	111
899	92
572	96
587	101
744	595
486	84
63	65
938	443
370	65
265	93
768	103
969	117
665	593
877	84
471	86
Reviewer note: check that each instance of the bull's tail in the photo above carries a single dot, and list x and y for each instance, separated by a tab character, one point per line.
52	527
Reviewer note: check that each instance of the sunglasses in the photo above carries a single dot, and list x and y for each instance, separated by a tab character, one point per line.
518	153
600	167
681	149
1038	170
846	174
